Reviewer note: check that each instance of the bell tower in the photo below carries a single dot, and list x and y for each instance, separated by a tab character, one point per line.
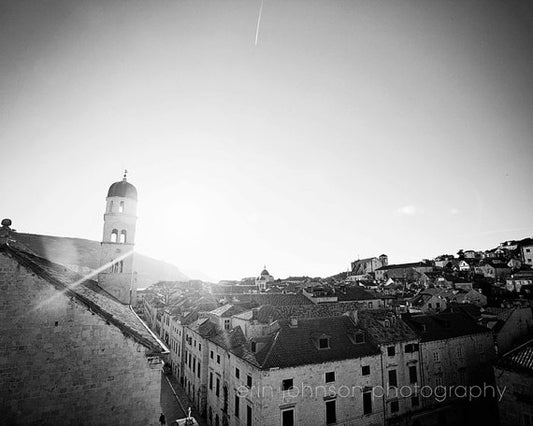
118	240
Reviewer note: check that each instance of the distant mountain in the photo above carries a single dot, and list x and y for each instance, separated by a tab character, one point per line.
83	256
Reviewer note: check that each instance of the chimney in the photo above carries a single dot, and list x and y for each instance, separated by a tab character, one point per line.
293	321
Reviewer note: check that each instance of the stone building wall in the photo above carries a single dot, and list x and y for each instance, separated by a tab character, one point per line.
61	364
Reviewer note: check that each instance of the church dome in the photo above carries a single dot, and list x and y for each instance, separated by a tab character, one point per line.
264	272
122	189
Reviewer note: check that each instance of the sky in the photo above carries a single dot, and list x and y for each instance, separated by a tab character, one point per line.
351	129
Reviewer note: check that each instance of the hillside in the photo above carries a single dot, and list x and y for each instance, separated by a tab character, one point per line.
83	256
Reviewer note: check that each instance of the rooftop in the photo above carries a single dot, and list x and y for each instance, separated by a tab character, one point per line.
293	346
519	359
89	294
443	326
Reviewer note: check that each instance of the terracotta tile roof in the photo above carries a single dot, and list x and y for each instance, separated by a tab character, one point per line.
89	294
235	342
227	310
274	299
519	359
267	313
403	265
295	346
384	326
471	310
443	326
502	314
203	327
352	293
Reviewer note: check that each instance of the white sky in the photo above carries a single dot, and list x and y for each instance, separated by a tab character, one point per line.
352	128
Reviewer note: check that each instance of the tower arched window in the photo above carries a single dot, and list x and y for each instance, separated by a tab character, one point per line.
121	266
123	237
114	236
121	207
110	209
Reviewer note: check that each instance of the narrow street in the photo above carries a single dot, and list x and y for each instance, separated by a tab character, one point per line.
169	404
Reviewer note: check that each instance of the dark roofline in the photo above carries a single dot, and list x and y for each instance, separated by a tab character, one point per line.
127	331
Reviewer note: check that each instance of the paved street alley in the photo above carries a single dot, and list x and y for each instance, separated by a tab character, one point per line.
169	403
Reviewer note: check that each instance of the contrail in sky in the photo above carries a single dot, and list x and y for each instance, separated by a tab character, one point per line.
258	22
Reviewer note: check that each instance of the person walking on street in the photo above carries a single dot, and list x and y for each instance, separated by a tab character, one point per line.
162	419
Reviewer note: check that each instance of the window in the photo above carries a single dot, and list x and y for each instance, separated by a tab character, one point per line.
393	380
227	324
218	359
330	377
331	412
528	419
369	305
211	354
365	370
237	373
415	402
391	351
253	346
287	417
217	389
248	415
286	384
211	380
412	374
123	237
323	343
429	305
114	236
121	207
199	346
394	407
359	338
110	209
237	404
194	365
249	381
198	369
367	402
438	381
436	356
459	352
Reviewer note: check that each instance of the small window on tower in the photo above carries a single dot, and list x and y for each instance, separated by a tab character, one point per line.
110	209
121	207
114	236
122	237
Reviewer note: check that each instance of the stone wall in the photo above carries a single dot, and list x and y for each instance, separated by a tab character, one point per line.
61	364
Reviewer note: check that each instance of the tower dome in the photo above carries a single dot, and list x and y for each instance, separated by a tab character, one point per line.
122	189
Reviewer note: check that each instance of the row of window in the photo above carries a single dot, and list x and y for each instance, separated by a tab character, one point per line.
409	348
117	237
192	363
393	377
120	207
